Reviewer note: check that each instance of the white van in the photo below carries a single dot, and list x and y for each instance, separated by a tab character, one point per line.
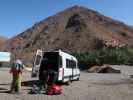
63	63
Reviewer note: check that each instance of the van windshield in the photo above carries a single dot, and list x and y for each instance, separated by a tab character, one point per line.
50	61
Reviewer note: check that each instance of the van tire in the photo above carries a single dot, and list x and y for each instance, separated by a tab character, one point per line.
69	81
77	79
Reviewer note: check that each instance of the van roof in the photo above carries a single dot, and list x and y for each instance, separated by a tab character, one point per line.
54	51
62	52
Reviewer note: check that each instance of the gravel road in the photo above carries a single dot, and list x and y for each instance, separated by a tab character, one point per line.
91	86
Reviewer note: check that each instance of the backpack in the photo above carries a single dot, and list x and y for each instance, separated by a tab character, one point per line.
19	67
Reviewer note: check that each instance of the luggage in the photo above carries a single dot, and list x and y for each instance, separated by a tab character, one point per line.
35	90
53	90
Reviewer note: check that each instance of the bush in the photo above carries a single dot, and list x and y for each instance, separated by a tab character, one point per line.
115	56
123	34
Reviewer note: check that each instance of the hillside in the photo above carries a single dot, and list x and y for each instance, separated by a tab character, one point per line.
76	29
2	41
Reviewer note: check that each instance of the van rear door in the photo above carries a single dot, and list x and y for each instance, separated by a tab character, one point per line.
37	63
61	69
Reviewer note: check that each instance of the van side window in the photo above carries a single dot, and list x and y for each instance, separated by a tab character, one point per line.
70	63
38	58
67	63
74	64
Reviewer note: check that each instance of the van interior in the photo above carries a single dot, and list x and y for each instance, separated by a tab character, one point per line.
50	61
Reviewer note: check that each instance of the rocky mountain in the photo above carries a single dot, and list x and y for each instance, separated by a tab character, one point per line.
2	41
76	29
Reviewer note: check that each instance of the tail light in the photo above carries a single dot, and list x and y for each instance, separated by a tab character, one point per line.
62	72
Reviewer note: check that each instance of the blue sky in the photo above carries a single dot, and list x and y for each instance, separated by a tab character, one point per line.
18	15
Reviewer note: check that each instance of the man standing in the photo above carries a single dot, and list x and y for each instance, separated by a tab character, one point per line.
16	71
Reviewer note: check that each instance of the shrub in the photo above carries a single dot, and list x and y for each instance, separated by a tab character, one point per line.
115	56
123	34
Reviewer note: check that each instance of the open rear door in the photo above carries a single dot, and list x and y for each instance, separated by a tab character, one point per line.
36	63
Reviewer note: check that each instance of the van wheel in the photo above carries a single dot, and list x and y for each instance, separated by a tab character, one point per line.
69	81
77	79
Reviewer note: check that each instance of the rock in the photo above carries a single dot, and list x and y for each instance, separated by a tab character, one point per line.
103	69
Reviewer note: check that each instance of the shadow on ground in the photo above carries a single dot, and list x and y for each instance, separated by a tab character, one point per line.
4	90
30	83
37	82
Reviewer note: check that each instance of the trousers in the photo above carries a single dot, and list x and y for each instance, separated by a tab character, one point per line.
16	83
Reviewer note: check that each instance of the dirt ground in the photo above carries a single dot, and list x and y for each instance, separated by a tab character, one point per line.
92	86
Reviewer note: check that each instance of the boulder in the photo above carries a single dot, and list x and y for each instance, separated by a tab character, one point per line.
103	69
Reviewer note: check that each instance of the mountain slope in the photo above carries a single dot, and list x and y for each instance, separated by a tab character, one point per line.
75	29
2	41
